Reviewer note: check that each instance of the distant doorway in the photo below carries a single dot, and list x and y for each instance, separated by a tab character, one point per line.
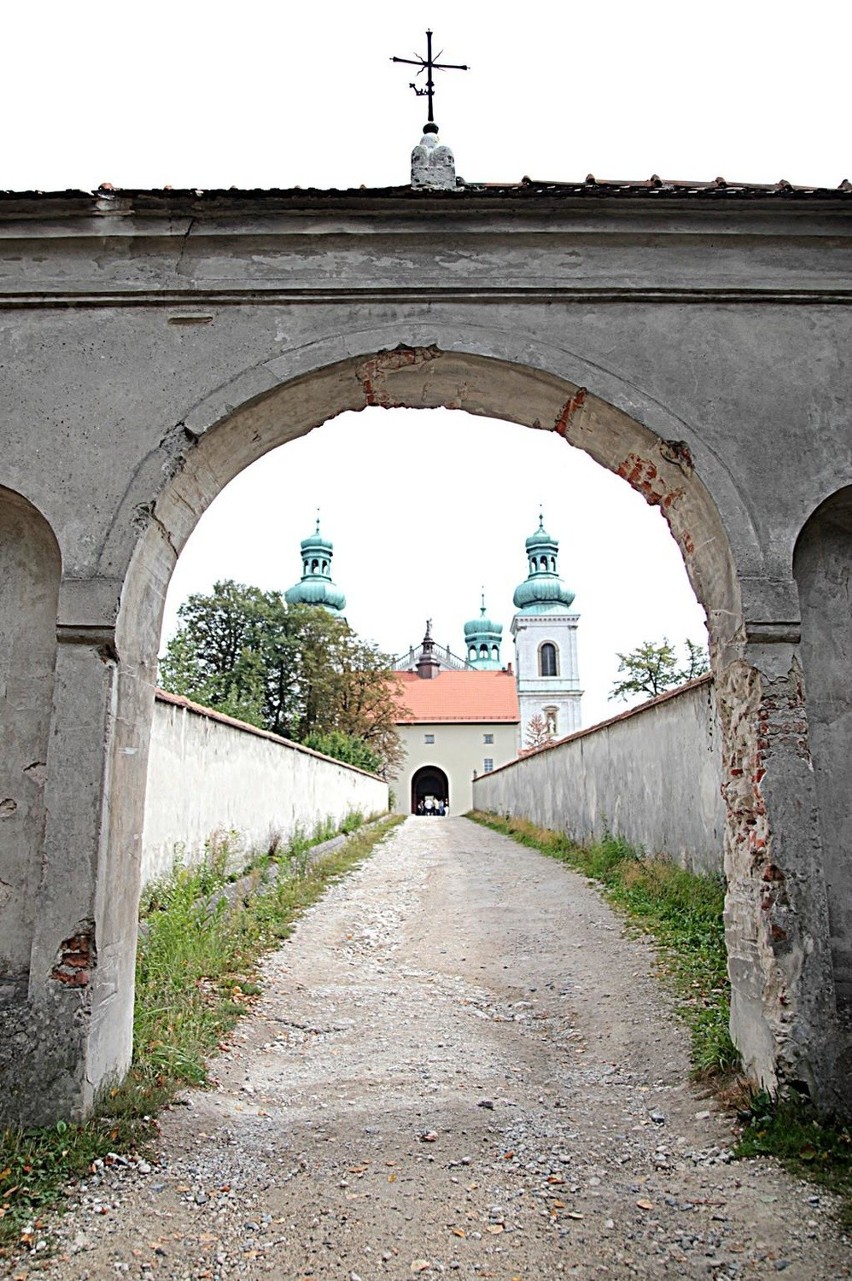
430	791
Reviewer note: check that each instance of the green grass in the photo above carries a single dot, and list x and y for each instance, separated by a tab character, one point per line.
195	976
682	912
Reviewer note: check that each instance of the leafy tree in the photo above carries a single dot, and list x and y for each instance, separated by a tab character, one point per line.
697	661
296	671
537	733
346	748
651	668
215	656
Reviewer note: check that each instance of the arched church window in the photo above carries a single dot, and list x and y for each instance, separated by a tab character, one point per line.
495	653
483	651
314	566
548	660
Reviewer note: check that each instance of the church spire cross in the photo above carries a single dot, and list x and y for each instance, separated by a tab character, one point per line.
429	64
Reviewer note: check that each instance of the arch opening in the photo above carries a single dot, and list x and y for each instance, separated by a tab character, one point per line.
661	470
430	791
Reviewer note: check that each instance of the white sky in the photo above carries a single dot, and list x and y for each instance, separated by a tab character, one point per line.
265	94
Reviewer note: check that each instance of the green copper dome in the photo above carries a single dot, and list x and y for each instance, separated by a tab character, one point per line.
543	591
316	586
541	539
482	637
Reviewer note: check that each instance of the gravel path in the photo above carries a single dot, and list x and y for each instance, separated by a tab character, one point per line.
459	1067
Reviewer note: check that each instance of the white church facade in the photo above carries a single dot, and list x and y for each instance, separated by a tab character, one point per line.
470	715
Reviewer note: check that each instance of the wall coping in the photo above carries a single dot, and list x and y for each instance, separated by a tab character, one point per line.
665	697
178	700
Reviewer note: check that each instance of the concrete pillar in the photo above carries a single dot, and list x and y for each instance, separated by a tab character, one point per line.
50	1075
72	1035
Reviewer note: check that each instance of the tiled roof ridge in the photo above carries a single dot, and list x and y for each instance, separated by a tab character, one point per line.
591	185
469	696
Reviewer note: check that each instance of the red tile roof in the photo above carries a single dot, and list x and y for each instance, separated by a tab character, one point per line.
460	696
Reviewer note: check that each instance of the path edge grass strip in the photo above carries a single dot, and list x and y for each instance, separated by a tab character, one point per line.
817	1149
196	975
681	911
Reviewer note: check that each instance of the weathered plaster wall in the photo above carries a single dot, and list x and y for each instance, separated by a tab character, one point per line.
652	775
210	776
153	344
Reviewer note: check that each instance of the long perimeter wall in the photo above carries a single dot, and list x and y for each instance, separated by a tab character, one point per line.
211	775
652	775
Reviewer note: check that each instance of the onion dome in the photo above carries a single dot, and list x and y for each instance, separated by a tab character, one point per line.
543	591
482	637
316	586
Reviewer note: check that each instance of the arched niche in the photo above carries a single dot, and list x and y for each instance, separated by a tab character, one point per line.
822	567
30	569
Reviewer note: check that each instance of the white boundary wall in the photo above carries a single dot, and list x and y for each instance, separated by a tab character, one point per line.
652	775
211	775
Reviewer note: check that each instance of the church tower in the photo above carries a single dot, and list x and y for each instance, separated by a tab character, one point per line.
545	634
482	637
315	586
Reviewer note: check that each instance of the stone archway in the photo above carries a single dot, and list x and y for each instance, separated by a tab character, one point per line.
428	781
783	1003
783	999
692	340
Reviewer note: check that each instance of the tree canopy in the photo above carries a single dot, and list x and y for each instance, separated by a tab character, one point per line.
296	671
652	668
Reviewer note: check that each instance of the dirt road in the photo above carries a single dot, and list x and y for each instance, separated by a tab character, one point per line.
459	1067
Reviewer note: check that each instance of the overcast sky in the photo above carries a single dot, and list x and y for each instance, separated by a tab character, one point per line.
275	95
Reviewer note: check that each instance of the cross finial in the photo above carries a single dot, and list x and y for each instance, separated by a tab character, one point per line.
429	64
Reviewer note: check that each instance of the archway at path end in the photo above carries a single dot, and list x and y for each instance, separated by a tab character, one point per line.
429	784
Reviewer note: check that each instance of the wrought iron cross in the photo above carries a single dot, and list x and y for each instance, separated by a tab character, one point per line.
429	64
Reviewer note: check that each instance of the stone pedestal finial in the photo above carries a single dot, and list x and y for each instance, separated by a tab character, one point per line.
432	163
